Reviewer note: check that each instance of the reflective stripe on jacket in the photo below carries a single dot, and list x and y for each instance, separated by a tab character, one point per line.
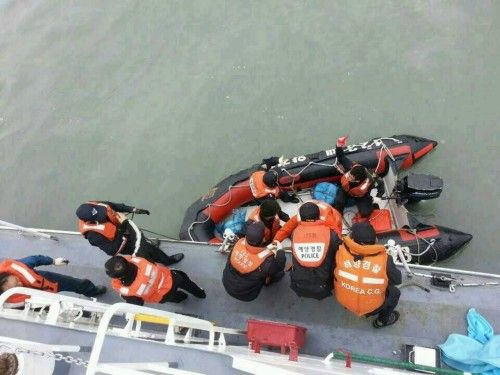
28	277
152	283
360	276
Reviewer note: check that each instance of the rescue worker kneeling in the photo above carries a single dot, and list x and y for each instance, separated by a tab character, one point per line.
138	280
365	277
269	213
314	245
250	265
328	214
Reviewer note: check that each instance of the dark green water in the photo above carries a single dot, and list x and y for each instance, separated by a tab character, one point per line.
153	102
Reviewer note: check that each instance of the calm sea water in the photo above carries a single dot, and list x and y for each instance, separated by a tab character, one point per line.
151	103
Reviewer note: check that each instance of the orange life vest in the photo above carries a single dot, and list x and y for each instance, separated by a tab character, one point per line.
268	234
360	190
246	258
28	277
329	215
107	229
259	188
311	243
360	285
151	284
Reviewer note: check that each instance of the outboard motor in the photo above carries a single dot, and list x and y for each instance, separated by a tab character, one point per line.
418	187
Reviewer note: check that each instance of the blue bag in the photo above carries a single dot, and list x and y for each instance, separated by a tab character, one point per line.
326	192
235	222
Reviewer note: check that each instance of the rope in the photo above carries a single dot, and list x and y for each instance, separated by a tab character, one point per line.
430	245
213	205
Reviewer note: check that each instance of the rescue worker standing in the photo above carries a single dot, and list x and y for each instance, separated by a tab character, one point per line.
357	183
21	273
250	265
314	245
365	277
104	226
139	281
269	213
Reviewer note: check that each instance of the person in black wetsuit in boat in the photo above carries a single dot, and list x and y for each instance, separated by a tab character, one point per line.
357	183
105	226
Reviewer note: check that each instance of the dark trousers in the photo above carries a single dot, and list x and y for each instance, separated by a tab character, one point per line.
181	281
153	253
391	301
71	284
364	203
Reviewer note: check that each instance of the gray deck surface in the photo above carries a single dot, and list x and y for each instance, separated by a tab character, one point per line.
426	318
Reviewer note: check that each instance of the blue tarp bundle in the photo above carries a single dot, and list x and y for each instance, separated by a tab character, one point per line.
325	191
479	352
234	222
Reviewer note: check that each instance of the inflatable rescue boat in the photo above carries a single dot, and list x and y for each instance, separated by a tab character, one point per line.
301	174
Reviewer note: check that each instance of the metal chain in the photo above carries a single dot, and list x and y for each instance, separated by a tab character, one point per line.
56	356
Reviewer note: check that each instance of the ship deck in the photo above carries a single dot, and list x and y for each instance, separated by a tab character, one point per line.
426	318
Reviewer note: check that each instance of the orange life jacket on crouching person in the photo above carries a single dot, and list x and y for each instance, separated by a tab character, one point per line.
28	277
246	258
329	215
259	188
268	233
108	229
360	276
152	282
361	189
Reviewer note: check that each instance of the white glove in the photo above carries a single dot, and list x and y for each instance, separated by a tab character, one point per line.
274	246
60	262
228	233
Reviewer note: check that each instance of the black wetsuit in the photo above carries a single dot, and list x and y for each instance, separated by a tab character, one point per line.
364	203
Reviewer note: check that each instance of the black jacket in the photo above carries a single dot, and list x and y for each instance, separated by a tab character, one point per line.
347	164
246	287
128	236
315	282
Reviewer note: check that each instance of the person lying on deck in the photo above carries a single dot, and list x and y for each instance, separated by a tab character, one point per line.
21	273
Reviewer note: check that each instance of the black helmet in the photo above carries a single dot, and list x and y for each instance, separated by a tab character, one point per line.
269	208
92	212
309	211
255	233
271	178
363	233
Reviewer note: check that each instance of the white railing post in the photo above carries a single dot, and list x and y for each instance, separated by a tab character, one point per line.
173	318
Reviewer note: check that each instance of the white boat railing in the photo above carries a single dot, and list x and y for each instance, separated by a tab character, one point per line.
34	232
55	304
173	321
